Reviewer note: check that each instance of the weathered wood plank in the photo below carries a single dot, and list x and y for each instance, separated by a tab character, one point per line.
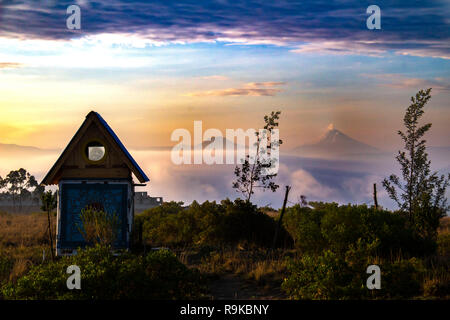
97	173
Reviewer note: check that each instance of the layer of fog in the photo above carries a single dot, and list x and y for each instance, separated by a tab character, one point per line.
317	179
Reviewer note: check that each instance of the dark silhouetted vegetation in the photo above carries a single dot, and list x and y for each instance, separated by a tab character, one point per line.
334	227
155	275
16	186
209	223
251	173
420	194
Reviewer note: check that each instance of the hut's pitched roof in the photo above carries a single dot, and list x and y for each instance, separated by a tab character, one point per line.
113	139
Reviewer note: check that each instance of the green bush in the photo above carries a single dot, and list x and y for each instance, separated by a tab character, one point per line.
157	275
330	275
304	226
315	277
338	243
333	227
402	278
172	225
242	221
208	223
335	276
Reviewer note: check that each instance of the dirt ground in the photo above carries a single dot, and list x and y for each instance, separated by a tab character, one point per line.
232	287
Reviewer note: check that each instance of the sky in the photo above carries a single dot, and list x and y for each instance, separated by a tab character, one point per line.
150	67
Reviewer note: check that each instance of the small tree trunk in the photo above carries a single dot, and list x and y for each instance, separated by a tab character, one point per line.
50	237
375	200
410	187
252	172
14	202
140	235
281	217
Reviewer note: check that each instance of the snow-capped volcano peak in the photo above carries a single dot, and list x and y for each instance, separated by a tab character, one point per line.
335	143
334	136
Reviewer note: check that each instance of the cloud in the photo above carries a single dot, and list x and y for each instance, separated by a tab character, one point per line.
250	89
236	92
264	84
10	65
434	49
340	48
362	187
398	81
417	28
303	183
214	77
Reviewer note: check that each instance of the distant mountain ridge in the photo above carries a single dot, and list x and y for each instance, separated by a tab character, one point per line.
225	143
335	143
8	148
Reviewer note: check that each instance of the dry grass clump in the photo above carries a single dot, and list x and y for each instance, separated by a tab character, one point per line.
443	240
19	268
444	226
23	230
23	238
261	266
252	272
436	282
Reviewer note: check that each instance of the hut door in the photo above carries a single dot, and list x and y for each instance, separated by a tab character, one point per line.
112	198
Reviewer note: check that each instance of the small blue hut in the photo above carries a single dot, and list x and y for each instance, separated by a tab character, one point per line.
94	170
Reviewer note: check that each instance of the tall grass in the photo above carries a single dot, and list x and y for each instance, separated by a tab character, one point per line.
23	238
23	230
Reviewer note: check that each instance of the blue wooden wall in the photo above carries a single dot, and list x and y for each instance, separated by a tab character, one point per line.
75	197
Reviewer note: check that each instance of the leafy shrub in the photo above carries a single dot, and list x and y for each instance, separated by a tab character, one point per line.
329	226
304	226
242	221
314	277
338	243
330	275
402	278
208	223
160	224
334	276
157	275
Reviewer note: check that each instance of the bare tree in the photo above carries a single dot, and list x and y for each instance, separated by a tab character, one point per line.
249	175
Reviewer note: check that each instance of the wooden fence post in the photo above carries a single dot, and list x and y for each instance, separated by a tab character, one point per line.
375	200
281	217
